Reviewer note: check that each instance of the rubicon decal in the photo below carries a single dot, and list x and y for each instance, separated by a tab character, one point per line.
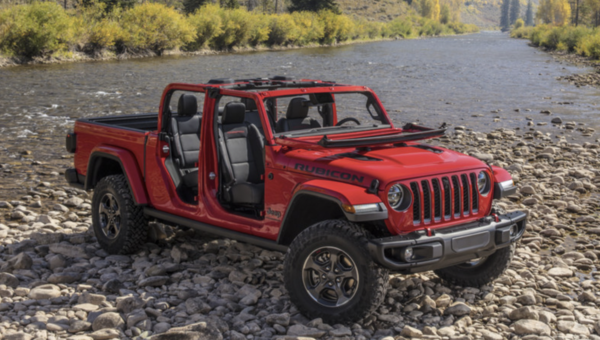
329	173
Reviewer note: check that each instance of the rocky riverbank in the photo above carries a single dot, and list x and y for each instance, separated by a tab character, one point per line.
584	79
56	282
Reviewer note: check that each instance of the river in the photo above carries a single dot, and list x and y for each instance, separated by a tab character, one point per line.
435	80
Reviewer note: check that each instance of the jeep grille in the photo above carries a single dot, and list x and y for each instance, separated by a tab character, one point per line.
451	196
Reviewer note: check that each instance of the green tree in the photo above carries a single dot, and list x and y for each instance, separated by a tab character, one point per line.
445	14
231	4
515	11
314	6
504	18
190	6
554	12
110	4
529	14
430	9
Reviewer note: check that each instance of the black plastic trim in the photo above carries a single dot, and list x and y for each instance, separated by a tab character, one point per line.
377	140
71	142
460	243
204	227
74	179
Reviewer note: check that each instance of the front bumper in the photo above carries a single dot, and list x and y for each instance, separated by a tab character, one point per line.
449	246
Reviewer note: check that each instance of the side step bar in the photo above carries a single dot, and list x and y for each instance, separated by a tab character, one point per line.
208	228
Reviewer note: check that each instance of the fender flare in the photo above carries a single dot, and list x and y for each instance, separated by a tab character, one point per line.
342	194
128	165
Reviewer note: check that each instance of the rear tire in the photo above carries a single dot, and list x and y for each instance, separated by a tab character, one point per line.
471	274
330	274
119	224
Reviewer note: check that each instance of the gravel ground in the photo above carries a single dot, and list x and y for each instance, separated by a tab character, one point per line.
56	282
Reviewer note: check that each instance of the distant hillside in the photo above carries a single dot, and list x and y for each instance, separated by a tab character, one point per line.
486	13
380	10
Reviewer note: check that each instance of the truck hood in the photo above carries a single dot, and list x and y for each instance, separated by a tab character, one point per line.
386	164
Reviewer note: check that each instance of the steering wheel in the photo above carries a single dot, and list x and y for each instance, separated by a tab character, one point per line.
345	120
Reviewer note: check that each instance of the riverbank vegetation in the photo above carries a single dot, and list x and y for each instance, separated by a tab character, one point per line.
563	28
45	29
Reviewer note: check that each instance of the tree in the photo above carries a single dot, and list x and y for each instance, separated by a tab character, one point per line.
554	12
231	4
430	9
504	18
314	6
515	11
445	14
190	6
529	14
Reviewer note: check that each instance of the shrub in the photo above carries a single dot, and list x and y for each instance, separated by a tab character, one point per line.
519	23
337	28
400	28
35	30
522	33
283	30
237	24
207	24
311	28
156	27
431	28
95	28
589	45
260	29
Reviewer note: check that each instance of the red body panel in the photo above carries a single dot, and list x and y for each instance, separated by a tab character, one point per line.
291	165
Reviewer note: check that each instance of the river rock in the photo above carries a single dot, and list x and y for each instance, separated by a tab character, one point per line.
525	327
44	292
458	309
411	332
108	320
105	334
560	272
64	277
20	261
73	202
9	280
154	281
556	120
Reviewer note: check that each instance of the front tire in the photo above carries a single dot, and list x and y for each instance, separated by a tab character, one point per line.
119	224
479	272
330	274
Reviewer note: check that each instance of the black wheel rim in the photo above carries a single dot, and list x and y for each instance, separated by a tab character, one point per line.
110	216
330	276
474	263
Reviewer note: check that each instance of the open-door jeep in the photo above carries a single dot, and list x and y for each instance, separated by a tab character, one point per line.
312	168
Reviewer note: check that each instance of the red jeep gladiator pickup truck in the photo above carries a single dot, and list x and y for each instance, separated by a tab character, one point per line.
312	168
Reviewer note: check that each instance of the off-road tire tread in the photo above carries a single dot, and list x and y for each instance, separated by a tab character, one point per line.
356	234
490	270
137	228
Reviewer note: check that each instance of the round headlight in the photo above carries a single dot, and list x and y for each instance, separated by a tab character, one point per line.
482	181
395	196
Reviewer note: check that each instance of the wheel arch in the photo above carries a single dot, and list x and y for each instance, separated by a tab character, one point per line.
105	161
319	200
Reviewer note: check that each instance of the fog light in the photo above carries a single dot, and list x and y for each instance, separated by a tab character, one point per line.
408	254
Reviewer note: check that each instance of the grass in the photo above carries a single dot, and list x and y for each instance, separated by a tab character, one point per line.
581	40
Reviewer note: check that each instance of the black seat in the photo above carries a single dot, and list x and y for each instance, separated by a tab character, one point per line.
243	160
296	117
252	115
185	130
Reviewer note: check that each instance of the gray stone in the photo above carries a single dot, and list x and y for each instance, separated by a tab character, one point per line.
524	313
9	280
73	202
79	326
197	305
44	292
47	238
556	120
105	334
64	277
524	327
411	332
458	309
280	319
108	320
57	261
560	272
301	330
154	281
17	336
20	261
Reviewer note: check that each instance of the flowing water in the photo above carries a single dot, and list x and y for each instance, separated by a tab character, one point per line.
449	79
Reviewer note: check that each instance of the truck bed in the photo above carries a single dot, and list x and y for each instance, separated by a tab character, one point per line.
140	122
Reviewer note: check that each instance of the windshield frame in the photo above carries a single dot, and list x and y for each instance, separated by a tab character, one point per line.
371	100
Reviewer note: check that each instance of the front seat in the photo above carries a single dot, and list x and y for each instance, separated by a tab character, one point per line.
242	149
185	130
296	117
